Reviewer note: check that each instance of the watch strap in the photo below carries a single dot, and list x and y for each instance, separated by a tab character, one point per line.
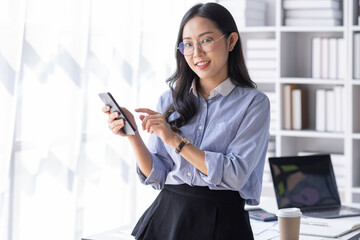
183	142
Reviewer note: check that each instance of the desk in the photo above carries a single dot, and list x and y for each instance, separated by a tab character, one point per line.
124	234
266	231
262	230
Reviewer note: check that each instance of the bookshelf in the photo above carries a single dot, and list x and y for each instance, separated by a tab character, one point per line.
293	65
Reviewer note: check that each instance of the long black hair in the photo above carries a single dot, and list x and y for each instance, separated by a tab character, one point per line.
180	82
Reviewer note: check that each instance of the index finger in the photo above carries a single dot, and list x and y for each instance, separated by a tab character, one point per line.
146	110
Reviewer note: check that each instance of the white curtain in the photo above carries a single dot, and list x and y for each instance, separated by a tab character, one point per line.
63	175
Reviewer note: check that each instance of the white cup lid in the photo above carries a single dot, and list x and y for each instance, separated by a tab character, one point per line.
289	212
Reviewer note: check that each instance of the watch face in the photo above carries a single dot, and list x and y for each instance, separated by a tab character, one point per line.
186	141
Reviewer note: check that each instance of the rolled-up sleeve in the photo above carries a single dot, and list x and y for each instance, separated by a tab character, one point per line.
161	161
242	166
161	164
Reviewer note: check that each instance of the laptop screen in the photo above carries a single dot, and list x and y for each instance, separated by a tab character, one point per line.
304	181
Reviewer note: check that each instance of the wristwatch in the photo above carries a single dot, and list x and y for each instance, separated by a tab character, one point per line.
183	142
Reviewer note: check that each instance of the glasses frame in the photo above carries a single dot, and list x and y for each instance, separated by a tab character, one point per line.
200	45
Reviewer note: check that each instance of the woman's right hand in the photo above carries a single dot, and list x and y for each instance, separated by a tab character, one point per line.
116	125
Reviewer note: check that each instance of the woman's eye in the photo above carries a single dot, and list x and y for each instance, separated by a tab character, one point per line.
206	40
188	44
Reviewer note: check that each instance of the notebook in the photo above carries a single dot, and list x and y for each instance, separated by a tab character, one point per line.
308	183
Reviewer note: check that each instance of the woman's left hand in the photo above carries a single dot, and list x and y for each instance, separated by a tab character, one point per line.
155	122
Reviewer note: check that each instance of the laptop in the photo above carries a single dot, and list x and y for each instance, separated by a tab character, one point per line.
308	183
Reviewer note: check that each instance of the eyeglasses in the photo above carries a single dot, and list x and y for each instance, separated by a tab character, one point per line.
207	45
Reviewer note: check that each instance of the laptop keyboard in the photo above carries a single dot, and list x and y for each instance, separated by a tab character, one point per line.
331	211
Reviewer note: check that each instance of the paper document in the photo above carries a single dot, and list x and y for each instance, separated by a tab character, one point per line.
328	227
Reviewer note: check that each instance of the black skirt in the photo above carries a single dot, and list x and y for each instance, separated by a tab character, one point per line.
182	212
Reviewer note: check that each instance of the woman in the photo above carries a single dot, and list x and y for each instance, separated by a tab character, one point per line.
208	138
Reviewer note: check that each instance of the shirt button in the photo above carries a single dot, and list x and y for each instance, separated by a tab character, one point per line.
204	104
200	127
189	174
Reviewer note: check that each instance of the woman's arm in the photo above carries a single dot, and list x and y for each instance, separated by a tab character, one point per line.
155	122
143	155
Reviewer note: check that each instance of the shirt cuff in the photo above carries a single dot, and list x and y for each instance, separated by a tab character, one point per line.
215	165
156	176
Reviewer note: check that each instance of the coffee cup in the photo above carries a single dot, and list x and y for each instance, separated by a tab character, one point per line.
289	223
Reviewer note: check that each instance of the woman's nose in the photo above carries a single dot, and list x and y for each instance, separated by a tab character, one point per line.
198	51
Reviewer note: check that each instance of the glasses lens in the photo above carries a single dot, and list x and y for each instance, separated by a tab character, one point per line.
181	47
207	46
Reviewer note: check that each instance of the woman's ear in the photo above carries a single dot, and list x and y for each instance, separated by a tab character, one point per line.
232	39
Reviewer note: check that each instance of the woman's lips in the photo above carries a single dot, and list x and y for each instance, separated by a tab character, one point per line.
202	64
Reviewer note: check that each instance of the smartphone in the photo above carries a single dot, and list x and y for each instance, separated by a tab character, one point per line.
109	100
261	214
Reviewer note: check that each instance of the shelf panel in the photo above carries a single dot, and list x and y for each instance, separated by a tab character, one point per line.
312	29
312	81
356	136
355	28
356	189
310	133
268	184
356	82
272	81
273	133
257	29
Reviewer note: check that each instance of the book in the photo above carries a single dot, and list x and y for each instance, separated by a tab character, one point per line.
330	111
320	108
311	4
246	22
333	58
356	56
318	22
324	58
316	57
332	228
314	13
339	112
259	5
340	169
342	58
299	115
287	105
359	14
273	109
247	13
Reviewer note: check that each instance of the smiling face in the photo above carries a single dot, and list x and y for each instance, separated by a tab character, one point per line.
212	66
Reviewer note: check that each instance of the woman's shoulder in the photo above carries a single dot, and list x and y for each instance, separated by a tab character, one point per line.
250	93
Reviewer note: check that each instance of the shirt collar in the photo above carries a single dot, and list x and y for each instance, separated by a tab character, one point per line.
223	88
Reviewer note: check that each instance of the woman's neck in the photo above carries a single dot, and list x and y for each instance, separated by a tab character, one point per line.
207	85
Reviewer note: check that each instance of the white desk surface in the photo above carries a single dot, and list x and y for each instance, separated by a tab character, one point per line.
261	230
268	230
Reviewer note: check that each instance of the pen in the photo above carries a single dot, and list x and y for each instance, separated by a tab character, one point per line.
315	223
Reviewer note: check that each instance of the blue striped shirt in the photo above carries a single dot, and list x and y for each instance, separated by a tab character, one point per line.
232	128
